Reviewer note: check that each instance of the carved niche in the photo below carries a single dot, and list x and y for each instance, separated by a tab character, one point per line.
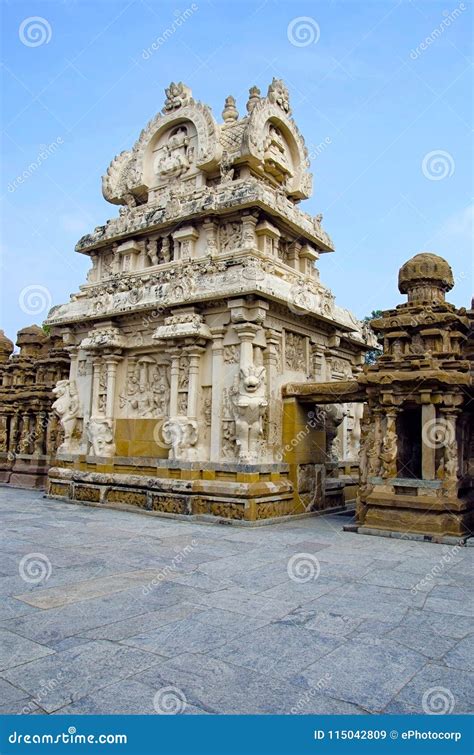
147	388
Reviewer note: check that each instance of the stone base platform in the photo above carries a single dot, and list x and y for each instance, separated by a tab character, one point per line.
229	491
25	470
416	507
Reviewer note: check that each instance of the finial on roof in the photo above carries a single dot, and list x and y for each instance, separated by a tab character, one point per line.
230	112
254	97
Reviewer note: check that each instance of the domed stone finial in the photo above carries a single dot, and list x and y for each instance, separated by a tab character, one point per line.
230	112
254	97
425	278
30	340
6	347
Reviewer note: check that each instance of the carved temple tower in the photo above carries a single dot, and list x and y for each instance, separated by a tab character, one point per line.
202	301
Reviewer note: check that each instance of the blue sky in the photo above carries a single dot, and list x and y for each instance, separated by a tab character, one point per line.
392	173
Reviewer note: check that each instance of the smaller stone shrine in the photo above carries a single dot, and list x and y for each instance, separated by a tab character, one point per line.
417	430
30	432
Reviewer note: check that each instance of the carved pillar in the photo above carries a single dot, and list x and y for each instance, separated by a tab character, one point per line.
13	437
428	450
40	431
450	461
317	361
3	433
390	446
111	364
249	238
246	332
25	435
270	361
294	255
194	353
184	242
268	238
210	229
174	383
308	257
216	397
96	366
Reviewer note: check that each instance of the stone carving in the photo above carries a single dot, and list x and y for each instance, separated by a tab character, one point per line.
101	437
147	388
388	455
181	434
232	354
230	235
294	351
176	156
177	96
67	408
278	95
249	403
109	337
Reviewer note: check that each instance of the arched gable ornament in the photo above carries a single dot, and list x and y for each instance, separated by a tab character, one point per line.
264	113
124	181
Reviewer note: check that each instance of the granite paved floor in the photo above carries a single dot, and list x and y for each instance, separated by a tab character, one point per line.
107	611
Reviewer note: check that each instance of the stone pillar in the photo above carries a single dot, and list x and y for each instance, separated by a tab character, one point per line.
450	460
210	229
268	238
96	364
216	396
293	259
389	446
184	242
40	429
246	332
12	441
270	361
174	383
249	238
428	449
25	435
3	433
308	256
194	353
111	363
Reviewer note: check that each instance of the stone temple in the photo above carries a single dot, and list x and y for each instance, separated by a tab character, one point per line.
211	372
203	300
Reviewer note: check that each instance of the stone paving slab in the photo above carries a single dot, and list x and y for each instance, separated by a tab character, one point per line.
134	605
91	588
